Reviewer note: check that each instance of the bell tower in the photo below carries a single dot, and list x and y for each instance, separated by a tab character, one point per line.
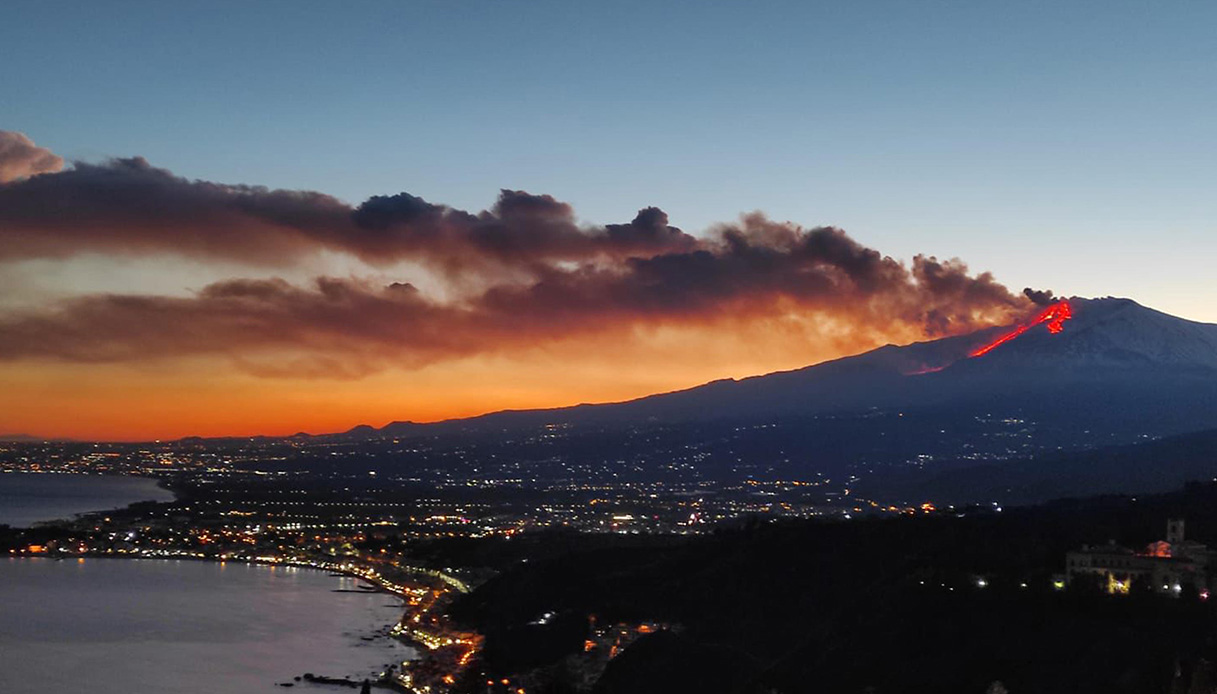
1174	530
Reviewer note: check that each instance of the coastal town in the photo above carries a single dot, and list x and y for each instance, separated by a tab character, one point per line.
225	515
447	654
482	589
434	546
271	502
547	477
445	651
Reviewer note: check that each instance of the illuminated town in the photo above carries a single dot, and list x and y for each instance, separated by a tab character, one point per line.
433	536
297	503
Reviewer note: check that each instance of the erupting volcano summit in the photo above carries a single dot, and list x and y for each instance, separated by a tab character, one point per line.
1054	316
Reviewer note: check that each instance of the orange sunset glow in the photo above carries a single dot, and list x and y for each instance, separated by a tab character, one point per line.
293	310
214	397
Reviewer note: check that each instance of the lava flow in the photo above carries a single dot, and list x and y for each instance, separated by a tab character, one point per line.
1054	316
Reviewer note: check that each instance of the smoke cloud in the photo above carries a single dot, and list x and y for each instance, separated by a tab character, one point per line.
20	158
127	206
541	275
1039	297
759	270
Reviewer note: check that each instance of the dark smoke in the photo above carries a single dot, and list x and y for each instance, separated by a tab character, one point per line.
1039	297
128	206
540	274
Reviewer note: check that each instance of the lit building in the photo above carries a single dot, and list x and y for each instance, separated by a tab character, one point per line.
1168	566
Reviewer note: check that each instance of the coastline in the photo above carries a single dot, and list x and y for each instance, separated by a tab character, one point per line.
435	644
376	586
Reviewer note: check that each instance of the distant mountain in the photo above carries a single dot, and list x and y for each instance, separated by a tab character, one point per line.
20	438
32	438
1115	363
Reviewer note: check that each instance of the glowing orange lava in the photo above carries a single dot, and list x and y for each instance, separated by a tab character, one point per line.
1054	316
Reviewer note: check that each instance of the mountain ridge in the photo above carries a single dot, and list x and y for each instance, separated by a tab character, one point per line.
1105	337
1111	344
885	365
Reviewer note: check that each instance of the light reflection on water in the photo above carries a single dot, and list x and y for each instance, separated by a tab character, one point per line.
118	626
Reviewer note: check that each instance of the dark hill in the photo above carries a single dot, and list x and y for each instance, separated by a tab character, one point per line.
883	605
1143	468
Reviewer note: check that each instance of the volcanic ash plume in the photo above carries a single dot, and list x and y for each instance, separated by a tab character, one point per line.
21	158
522	274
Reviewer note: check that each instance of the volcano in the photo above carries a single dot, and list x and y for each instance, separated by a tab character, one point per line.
1110	365
1053	318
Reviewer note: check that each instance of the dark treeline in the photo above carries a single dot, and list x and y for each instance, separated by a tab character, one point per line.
879	605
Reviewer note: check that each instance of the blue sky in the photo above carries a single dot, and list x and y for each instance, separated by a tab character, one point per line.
1062	145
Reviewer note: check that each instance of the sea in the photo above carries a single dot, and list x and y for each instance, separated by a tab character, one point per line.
28	498
129	626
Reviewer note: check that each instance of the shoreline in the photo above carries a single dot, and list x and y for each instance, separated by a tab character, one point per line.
412	584
381	587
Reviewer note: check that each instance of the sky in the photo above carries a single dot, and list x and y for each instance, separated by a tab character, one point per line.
190	241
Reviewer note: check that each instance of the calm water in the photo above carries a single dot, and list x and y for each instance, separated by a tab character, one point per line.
29	498
123	626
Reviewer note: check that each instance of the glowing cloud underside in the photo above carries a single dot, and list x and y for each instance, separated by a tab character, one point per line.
1054	317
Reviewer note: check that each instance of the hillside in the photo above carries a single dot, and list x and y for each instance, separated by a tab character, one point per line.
1115	364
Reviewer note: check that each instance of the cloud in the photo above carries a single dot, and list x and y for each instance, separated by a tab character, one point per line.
129	207
540	276
758	270
20	158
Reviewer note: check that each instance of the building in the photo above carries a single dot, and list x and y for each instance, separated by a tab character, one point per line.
1173	566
